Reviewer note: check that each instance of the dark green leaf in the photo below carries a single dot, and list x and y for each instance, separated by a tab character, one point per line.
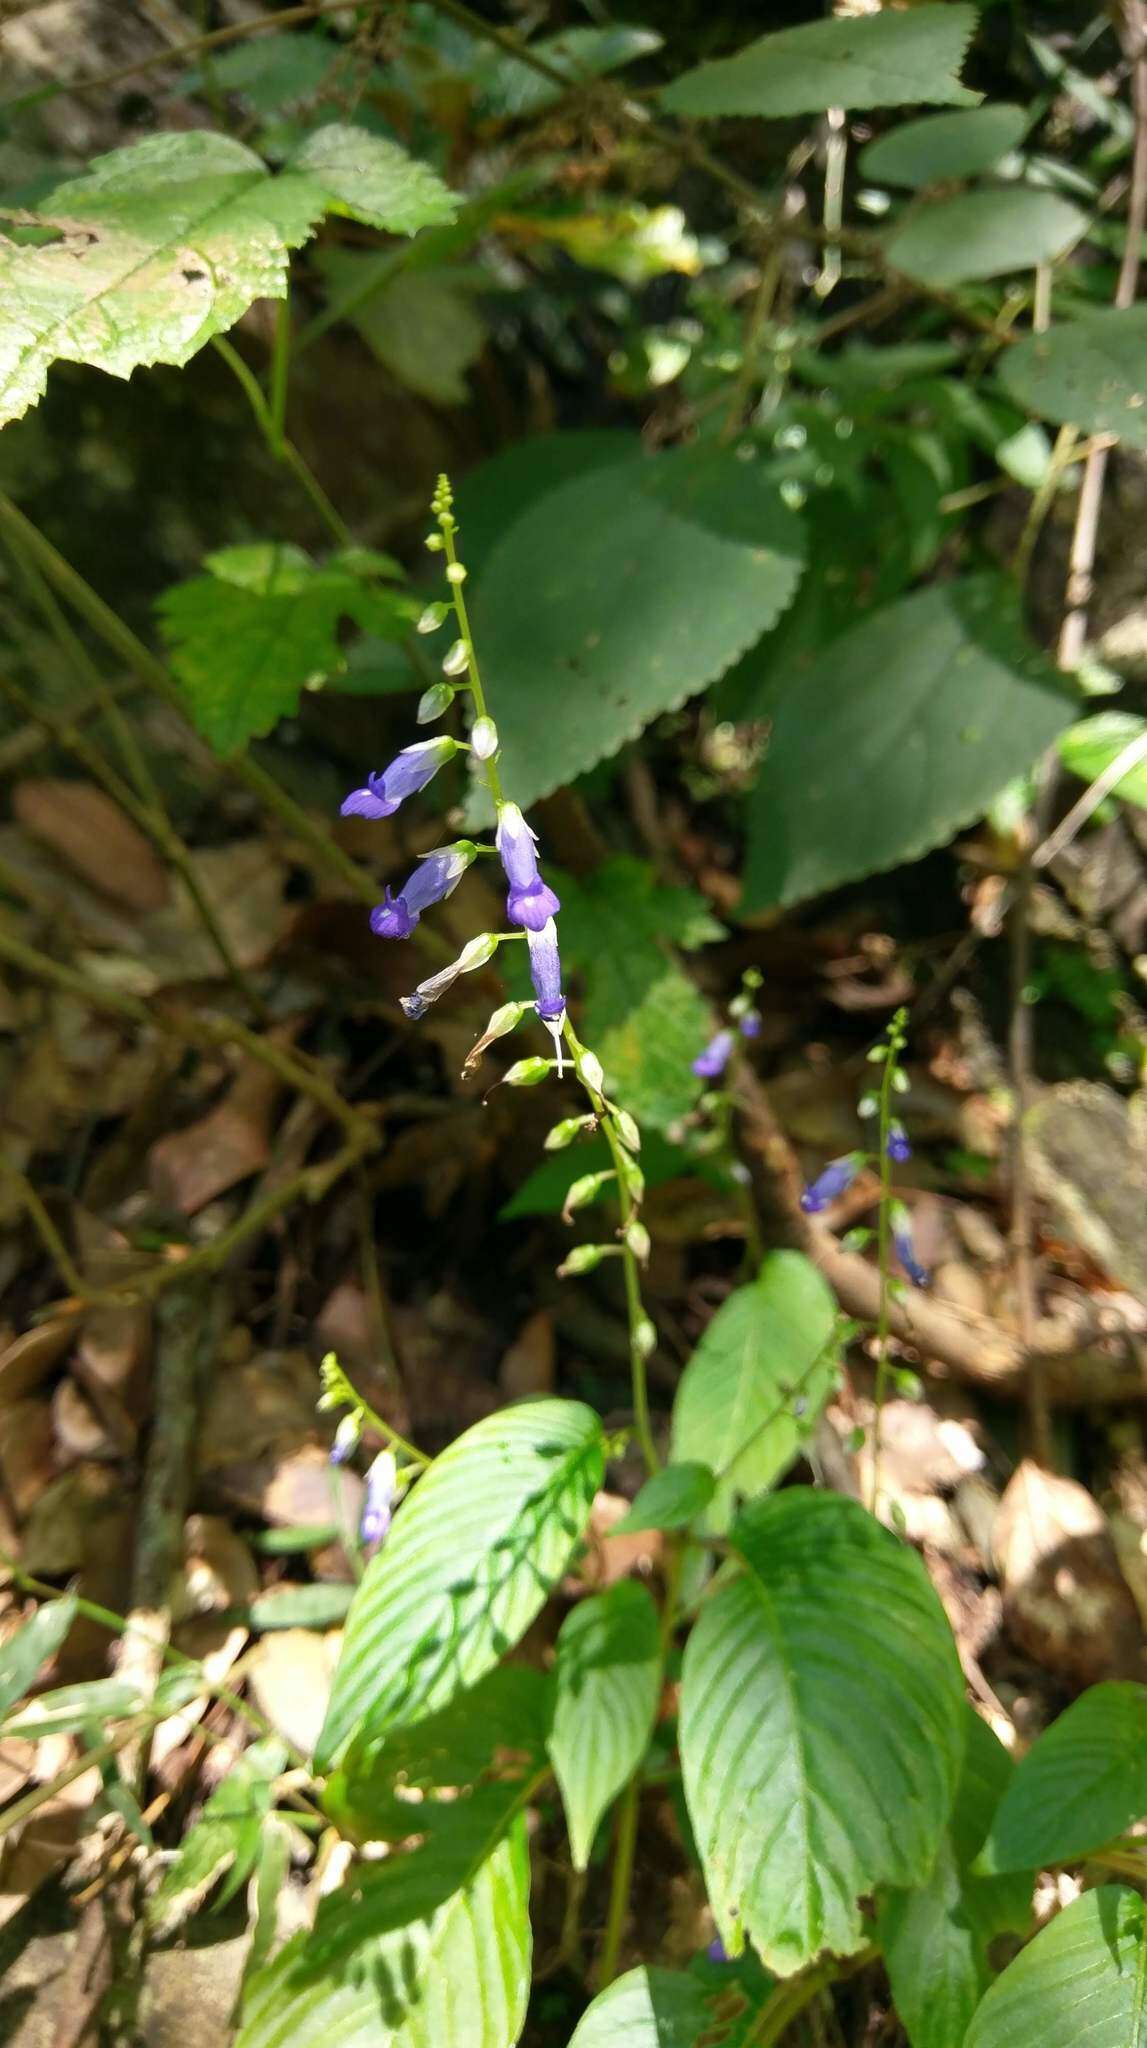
1091	371
1090	747
608	1670
888	59
822	1726
422	324
982	234
469	1562
938	147
672	1499
509	89
1081	1980
901	732
616	926
647	2008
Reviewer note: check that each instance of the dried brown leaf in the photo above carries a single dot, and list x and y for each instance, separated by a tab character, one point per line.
92	836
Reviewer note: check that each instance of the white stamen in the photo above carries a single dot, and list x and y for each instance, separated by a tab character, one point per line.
554	1027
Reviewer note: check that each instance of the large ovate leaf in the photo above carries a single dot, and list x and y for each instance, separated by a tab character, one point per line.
1082	1981
940	147
1079	1786
647	2008
161	245
608	1670
982	234
421	324
758	1379
587	609
467	1565
1091	371
261	623
900	732
888	59
935	1938
226	1838
22	1655
430	1950
822	1726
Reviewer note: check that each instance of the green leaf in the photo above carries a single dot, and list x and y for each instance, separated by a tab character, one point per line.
1081	1980
982	234
1081	1784
647	2008
226	1837
608	1670
430	1950
616	926
1091	371
1090	747
263	622
648	1060
167	242
822	1726
509	89
22	1655
271	1874
467	1565
935	1938
421	325
672	1499
587	611
544	1191
272	72
492	496
899	733
939	147
873	60
322	1604
70	1708
767	1349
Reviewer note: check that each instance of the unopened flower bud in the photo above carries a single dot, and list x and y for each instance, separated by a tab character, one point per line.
630	1173
432	618
867	1106
433	702
645	1338
638	1239
590	1071
628	1130
505	1019
900	1081
455	573
346	1440
563	1134
526	1073
483	738
457	661
435	543
583	1259
584	1191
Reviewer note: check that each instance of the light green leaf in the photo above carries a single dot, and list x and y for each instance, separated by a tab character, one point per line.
587	612
509	89
938	147
321	1604
1081	1980
648	1060
165	243
272	1872
608	1671
544	1191
982	234
226	1837
263	622
899	733
422	325
822	1726
767	1350
22	1655
647	2008
616	926
70	1708
430	1950
467	1565
872	60
1091	371
1079	1786
1090	747
672	1499
935	1937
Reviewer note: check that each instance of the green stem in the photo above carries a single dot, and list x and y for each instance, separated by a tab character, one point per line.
621	1881
883	1249
789	2000
458	601
280	370
280	447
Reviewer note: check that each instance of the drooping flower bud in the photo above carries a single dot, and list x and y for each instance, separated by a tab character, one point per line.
346	1440
474	954
379	1502
584	1257
638	1239
901	1223
711	1063
483	739
628	1130
433	617
835	1180
433	702
527	1073
585	1190
410	770
590	1071
898	1147
570	1127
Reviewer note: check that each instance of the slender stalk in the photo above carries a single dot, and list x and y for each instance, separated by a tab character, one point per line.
883	1260
621	1880
461	614
280	369
281	448
790	1999
49	1236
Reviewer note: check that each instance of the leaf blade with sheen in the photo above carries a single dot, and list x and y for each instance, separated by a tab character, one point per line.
1082	1783
1083	1978
646	2008
608	1669
888	59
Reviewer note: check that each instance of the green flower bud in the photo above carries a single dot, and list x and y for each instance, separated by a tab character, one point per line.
638	1239
484	738
585	1191
433	702
563	1134
628	1129
645	1338
455	573
432	617
589	1070
527	1073
457	661
584	1257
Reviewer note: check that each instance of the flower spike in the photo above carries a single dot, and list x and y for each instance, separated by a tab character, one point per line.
530	902
408	772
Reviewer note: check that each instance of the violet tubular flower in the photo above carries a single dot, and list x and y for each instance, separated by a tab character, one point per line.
531	902
710	1064
835	1180
905	1249
546	975
898	1147
378	1504
431	882
408	772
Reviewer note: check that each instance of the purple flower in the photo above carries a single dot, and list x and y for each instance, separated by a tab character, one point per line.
750	1025
898	1147
409	771
837	1177
716	1951
433	879
474	954
379	1501
346	1439
546	971
530	902
905	1250
710	1064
